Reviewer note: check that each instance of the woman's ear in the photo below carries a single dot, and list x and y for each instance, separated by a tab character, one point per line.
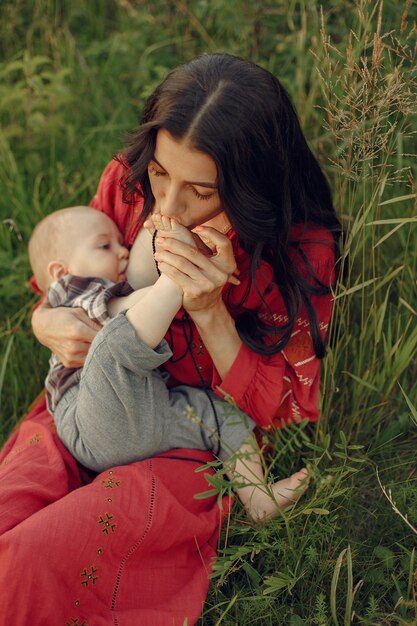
57	269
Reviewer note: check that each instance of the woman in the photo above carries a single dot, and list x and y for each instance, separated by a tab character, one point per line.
219	144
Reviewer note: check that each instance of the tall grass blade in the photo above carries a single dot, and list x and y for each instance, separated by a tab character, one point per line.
4	365
227	609
349	591
333	587
413	409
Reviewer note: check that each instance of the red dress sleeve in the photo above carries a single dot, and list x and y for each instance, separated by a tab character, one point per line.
284	387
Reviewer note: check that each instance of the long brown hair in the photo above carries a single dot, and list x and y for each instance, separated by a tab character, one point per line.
268	179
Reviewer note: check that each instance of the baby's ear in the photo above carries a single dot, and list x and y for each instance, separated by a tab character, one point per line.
57	269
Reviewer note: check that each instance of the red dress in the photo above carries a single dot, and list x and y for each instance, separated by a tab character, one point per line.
132	545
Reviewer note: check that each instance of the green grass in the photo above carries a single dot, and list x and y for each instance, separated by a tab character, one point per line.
73	77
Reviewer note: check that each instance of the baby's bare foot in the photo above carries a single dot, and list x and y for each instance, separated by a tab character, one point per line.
265	503
169	227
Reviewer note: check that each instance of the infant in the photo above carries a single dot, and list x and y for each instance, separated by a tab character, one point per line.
117	408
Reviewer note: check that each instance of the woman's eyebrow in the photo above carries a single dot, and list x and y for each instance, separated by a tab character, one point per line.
189	182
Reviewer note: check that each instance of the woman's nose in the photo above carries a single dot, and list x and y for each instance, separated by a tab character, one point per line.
170	203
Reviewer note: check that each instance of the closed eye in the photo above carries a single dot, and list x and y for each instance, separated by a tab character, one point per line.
202	196
156	172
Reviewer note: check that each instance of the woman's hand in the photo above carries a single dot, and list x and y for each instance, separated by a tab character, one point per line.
67	332
200	277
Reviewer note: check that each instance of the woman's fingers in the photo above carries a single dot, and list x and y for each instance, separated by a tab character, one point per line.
185	251
197	269
87	327
233	280
72	347
214	237
222	259
221	248
198	295
66	332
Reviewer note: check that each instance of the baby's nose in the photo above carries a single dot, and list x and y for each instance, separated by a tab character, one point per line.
124	252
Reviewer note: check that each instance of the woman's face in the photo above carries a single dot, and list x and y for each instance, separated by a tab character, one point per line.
183	181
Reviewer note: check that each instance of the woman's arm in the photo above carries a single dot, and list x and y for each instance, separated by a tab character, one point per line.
218	332
271	389
202	279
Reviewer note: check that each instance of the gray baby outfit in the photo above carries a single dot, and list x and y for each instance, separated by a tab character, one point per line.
121	410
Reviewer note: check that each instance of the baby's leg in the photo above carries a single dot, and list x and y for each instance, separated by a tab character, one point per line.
263	501
152	316
112	417
122	410
206	422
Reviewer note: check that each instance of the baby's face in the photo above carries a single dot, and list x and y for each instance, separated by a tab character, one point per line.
98	248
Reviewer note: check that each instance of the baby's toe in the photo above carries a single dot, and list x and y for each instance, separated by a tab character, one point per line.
167	223
156	218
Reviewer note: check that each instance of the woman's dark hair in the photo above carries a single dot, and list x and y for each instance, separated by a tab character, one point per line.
268	179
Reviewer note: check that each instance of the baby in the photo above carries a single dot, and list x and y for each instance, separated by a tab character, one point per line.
117	409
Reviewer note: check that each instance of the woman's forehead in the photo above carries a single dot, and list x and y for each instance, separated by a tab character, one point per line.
182	160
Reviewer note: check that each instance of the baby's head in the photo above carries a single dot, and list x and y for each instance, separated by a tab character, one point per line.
80	241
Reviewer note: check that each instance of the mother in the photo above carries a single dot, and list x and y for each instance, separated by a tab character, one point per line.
219	143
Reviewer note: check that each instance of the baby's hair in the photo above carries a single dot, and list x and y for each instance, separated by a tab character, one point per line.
51	241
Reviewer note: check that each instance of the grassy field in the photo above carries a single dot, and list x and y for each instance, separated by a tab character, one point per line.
73	77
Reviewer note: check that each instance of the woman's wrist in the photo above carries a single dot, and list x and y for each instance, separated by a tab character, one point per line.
217	330
208	317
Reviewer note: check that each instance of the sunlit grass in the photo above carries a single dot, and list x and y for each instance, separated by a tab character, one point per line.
73	76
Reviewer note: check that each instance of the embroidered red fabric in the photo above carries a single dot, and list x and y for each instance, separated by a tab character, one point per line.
129	546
